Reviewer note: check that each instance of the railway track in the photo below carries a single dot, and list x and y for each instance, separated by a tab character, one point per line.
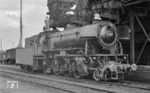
89	85
38	84
59	85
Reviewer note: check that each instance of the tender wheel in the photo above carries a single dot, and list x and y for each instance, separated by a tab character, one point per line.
96	75
26	68
30	68
76	74
22	67
106	75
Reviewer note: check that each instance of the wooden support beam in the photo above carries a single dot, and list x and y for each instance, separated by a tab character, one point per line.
134	2
132	48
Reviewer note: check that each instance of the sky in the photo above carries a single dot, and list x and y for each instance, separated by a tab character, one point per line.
34	13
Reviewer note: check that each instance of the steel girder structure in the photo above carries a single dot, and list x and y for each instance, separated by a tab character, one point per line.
139	55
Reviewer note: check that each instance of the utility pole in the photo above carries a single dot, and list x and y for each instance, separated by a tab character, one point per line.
1	44
13	44
21	30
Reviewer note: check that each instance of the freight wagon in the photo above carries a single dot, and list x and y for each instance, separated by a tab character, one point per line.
10	56
2	56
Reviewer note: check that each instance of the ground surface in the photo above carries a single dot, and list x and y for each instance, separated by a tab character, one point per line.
22	87
52	80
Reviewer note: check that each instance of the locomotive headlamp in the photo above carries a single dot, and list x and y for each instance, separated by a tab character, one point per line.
113	67
134	67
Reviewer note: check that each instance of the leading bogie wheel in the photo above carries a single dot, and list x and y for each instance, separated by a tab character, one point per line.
96	74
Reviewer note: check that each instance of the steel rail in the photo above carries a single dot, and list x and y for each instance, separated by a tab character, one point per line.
38	84
126	85
109	83
77	85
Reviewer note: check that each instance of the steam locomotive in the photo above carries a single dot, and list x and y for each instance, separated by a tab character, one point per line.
92	50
